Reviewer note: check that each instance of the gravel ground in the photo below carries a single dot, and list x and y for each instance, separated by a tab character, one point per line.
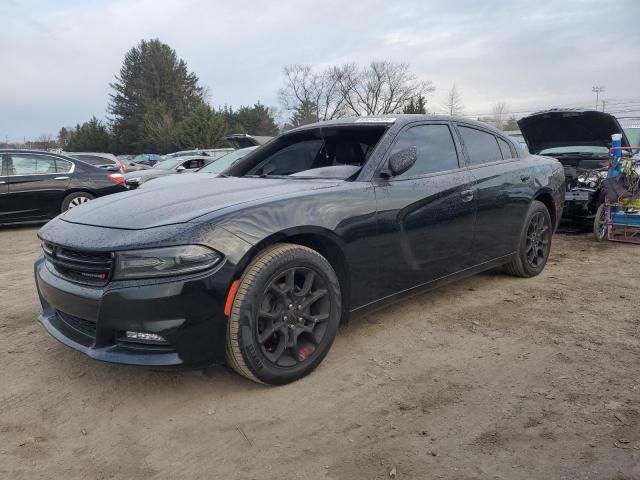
491	377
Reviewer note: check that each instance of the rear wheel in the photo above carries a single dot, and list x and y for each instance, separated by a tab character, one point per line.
535	243
75	199
284	316
600	223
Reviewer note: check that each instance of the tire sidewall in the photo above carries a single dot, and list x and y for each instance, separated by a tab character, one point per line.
597	224
536	207
251	350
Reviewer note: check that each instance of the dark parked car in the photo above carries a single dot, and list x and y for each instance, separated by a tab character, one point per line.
102	160
580	140
37	186
167	167
260	265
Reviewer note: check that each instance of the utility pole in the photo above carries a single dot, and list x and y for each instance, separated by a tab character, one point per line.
603	102
597	91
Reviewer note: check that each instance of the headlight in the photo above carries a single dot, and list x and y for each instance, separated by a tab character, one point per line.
133	180
163	262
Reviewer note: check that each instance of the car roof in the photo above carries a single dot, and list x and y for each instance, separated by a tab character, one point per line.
399	119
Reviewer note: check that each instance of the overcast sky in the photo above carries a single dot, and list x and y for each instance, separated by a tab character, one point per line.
58	57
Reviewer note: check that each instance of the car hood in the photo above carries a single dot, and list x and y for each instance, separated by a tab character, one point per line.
567	128
181	198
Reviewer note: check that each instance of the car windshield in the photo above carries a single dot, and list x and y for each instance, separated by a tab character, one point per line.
633	135
312	149
588	149
167	164
225	162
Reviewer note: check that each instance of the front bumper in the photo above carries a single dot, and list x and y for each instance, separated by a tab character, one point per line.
188	312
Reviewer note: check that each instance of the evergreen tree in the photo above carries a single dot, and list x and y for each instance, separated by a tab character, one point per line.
304	114
417	106
91	136
152	78
257	120
203	128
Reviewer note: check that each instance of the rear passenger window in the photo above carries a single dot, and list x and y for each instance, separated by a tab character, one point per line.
63	166
436	150
505	149
482	147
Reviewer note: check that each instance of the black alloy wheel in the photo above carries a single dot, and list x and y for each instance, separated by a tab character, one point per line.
538	240
284	316
292	317
535	243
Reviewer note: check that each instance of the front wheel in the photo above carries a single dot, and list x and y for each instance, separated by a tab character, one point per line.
600	227
284	316
535	243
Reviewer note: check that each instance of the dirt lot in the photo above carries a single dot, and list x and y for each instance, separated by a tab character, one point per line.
493	377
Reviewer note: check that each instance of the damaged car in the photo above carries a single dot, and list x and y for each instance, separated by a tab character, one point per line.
580	141
260	264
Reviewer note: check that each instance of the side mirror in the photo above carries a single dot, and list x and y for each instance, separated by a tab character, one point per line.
180	169
401	161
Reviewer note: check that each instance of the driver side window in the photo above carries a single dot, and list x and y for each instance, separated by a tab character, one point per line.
435	148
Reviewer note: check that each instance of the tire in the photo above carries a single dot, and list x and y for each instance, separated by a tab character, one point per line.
600	227
535	243
75	199
275	336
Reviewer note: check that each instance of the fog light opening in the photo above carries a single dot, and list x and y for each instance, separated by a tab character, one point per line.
144	337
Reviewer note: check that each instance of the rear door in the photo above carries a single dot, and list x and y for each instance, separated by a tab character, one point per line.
426	215
36	187
504	186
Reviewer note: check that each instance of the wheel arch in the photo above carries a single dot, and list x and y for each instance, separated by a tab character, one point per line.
545	197
320	239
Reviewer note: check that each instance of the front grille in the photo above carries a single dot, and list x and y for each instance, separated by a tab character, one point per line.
78	325
92	268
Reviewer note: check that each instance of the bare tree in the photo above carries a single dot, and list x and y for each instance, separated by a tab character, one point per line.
453	102
318	92
376	89
45	142
379	88
499	115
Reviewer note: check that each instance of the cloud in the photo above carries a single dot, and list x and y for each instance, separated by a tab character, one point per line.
59	57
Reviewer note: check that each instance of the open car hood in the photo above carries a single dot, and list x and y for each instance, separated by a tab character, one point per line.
567	128
181	198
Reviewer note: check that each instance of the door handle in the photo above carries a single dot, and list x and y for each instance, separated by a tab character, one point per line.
525	178
61	178
467	195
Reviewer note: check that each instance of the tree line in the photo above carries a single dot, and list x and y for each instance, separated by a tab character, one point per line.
157	105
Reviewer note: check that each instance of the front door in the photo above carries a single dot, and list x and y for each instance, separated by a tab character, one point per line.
426	215
36	188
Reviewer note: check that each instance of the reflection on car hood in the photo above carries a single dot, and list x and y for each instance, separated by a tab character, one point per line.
182	199
568	128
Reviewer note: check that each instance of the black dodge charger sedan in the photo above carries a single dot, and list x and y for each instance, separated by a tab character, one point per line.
36	186
261	264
